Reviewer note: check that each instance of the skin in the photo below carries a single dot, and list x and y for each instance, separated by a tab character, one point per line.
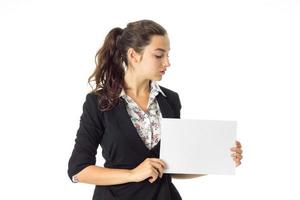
150	64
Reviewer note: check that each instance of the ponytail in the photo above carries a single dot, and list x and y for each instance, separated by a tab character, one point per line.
109	72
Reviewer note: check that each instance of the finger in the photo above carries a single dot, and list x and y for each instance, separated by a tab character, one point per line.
238	164
239	156
153	175
158	167
234	148
236	155
238	150
159	161
155	163
238	144
158	164
237	160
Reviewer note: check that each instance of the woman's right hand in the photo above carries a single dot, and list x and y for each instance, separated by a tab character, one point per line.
150	167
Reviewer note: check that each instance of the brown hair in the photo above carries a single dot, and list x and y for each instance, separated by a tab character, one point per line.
109	72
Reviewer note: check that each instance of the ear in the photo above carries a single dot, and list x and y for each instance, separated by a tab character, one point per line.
133	56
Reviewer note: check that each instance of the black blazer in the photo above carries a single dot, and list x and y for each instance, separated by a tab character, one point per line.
122	148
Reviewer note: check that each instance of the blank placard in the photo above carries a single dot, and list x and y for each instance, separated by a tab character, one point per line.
191	146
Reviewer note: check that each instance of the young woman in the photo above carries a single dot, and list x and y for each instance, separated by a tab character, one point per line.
122	114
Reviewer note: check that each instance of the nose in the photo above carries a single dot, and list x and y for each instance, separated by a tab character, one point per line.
166	62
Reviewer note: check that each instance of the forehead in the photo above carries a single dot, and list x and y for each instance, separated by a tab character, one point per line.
159	43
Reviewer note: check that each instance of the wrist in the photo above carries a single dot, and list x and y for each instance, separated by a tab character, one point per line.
130	176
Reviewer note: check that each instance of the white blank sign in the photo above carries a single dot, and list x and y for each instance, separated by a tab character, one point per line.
197	146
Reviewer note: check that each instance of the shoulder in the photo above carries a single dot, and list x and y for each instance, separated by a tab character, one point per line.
171	96
173	99
91	103
91	112
169	93
91	99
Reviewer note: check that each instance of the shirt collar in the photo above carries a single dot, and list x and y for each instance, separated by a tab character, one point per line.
154	89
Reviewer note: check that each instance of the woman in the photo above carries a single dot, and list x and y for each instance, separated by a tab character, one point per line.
122	114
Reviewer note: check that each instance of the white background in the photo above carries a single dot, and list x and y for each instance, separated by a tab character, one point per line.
231	60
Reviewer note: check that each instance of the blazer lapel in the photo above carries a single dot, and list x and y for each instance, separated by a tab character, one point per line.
128	129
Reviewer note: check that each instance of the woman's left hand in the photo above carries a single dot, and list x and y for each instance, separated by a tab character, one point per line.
237	153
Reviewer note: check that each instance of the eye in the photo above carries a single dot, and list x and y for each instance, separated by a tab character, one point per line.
158	56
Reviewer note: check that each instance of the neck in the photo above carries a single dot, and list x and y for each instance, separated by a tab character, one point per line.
135	85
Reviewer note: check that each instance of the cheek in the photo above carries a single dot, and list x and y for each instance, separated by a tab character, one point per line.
156	62
150	65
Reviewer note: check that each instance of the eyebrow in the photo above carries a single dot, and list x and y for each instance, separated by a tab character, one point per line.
160	49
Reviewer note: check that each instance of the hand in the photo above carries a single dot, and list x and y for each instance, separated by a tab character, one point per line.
237	155
150	167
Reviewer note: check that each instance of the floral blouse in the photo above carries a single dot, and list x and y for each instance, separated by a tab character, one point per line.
147	123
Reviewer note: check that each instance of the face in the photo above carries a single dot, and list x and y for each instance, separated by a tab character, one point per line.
152	63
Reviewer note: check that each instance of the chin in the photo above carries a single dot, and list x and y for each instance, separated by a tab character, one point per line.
157	78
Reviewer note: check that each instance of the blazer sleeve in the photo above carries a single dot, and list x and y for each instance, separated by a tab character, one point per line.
88	137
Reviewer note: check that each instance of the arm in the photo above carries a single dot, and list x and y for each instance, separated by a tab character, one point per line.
106	176
151	168
82	164
89	136
103	176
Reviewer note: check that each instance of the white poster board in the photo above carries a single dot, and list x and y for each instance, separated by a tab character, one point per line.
197	146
